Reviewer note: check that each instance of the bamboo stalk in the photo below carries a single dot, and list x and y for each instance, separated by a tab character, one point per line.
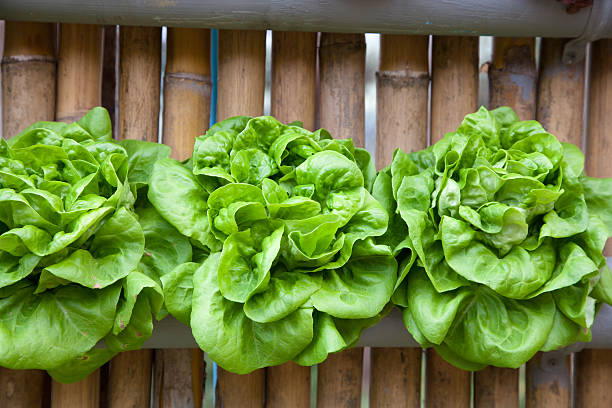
560	93
454	93
395	377
187	89
179	373
242	58
342	91
28	92
79	71
559	109
454	87
138	99
294	72
242	70
402	95
292	98
513	76
401	121
512	82
342	74
595	366
79	88
28	75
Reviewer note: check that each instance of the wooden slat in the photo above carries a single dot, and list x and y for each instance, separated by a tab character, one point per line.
454	94
401	121
242	61
79	88
594	367
559	109
342	91
512	82
28	75
109	73
454	88
512	75
242	70
292	98
560	93
28	92
402	96
395	377
179	373
342	74
138	99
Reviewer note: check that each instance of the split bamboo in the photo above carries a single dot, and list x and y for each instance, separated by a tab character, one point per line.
513	76
138	118
292	98
402	95
454	87
342	74
559	109
401	121
454	94
79	88
179	373
242	60
595	366
512	82
28	92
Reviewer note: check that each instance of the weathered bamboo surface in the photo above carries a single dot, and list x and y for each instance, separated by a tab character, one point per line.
454	88
28	75
594	367
292	98
402	95
242	57
342	91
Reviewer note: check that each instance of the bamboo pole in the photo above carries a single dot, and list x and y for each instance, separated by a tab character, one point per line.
342	91
28	92
342	74
138	118
454	87
242	60
559	109
402	95
79	71
401	121
292	98
595	366
560	93
512	82
454	93
179	373
79	88
242	71
28	75
513	76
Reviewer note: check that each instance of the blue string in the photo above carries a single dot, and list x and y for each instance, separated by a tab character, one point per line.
214	57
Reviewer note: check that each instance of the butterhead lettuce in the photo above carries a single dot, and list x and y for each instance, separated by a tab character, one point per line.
283	224
73	252
499	236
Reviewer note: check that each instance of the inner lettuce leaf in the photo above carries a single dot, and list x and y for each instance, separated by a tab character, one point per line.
283	221
499	235
82	252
